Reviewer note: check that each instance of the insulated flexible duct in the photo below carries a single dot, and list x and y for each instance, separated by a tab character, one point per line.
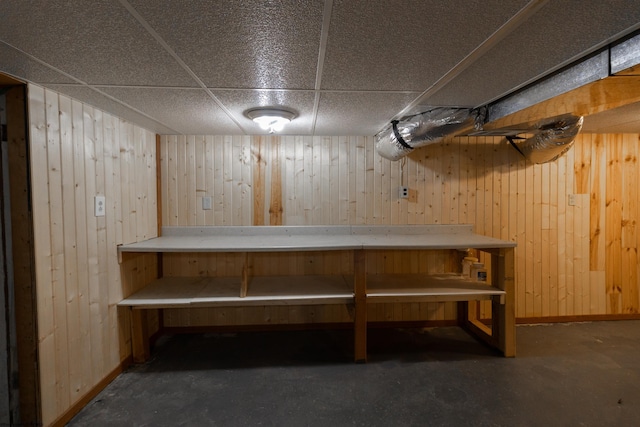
426	128
552	139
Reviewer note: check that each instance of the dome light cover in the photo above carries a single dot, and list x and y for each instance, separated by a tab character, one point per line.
271	119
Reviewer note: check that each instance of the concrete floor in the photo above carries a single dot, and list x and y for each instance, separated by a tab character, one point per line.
585	374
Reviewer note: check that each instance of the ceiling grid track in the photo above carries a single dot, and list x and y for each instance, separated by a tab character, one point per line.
179	60
324	37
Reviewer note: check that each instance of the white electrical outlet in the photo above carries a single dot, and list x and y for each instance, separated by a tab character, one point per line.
572	199
403	192
100	205
206	203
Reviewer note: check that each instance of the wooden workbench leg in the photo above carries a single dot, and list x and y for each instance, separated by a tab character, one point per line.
139	336
504	315
463	312
360	293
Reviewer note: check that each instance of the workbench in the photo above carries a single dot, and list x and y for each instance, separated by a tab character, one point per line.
355	290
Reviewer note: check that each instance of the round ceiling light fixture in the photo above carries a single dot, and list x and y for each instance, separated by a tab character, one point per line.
271	119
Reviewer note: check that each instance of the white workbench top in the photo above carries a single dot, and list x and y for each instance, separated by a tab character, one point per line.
314	238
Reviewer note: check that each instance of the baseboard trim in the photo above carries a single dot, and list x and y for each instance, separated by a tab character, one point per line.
574	319
84	400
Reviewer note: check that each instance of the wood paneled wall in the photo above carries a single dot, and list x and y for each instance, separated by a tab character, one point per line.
574	219
78	152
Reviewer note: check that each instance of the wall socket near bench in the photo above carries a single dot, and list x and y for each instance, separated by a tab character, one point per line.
99	205
403	192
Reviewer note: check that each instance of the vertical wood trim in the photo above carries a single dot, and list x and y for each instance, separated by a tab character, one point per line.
22	233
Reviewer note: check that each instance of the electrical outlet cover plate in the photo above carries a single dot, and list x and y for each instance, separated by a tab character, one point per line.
403	192
100	205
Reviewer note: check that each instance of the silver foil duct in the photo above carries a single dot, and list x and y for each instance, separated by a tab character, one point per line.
552	139
426	128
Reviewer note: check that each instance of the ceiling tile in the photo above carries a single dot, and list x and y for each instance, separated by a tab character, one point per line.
241	44
380	55
300	102
96	41
187	111
407	46
98	100
553	36
15	63
358	113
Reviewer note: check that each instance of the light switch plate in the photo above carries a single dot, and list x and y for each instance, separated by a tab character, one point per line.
206	203
100	205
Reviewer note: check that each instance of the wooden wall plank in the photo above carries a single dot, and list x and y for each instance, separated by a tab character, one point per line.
519	218
552	252
629	237
613	232
42	241
200	184
597	205
131	164
569	236
58	249
275	207
562	235
76	153
70	242
258	181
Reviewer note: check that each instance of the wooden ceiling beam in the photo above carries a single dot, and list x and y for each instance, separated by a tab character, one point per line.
606	94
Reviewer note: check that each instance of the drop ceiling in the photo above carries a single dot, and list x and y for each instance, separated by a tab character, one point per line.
346	67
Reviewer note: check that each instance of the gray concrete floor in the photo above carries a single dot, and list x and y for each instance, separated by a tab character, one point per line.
581	374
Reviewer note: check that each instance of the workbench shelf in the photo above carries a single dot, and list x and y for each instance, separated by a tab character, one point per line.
356	290
192	292
392	288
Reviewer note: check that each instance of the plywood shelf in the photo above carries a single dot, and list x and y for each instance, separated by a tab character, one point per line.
183	292
391	288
